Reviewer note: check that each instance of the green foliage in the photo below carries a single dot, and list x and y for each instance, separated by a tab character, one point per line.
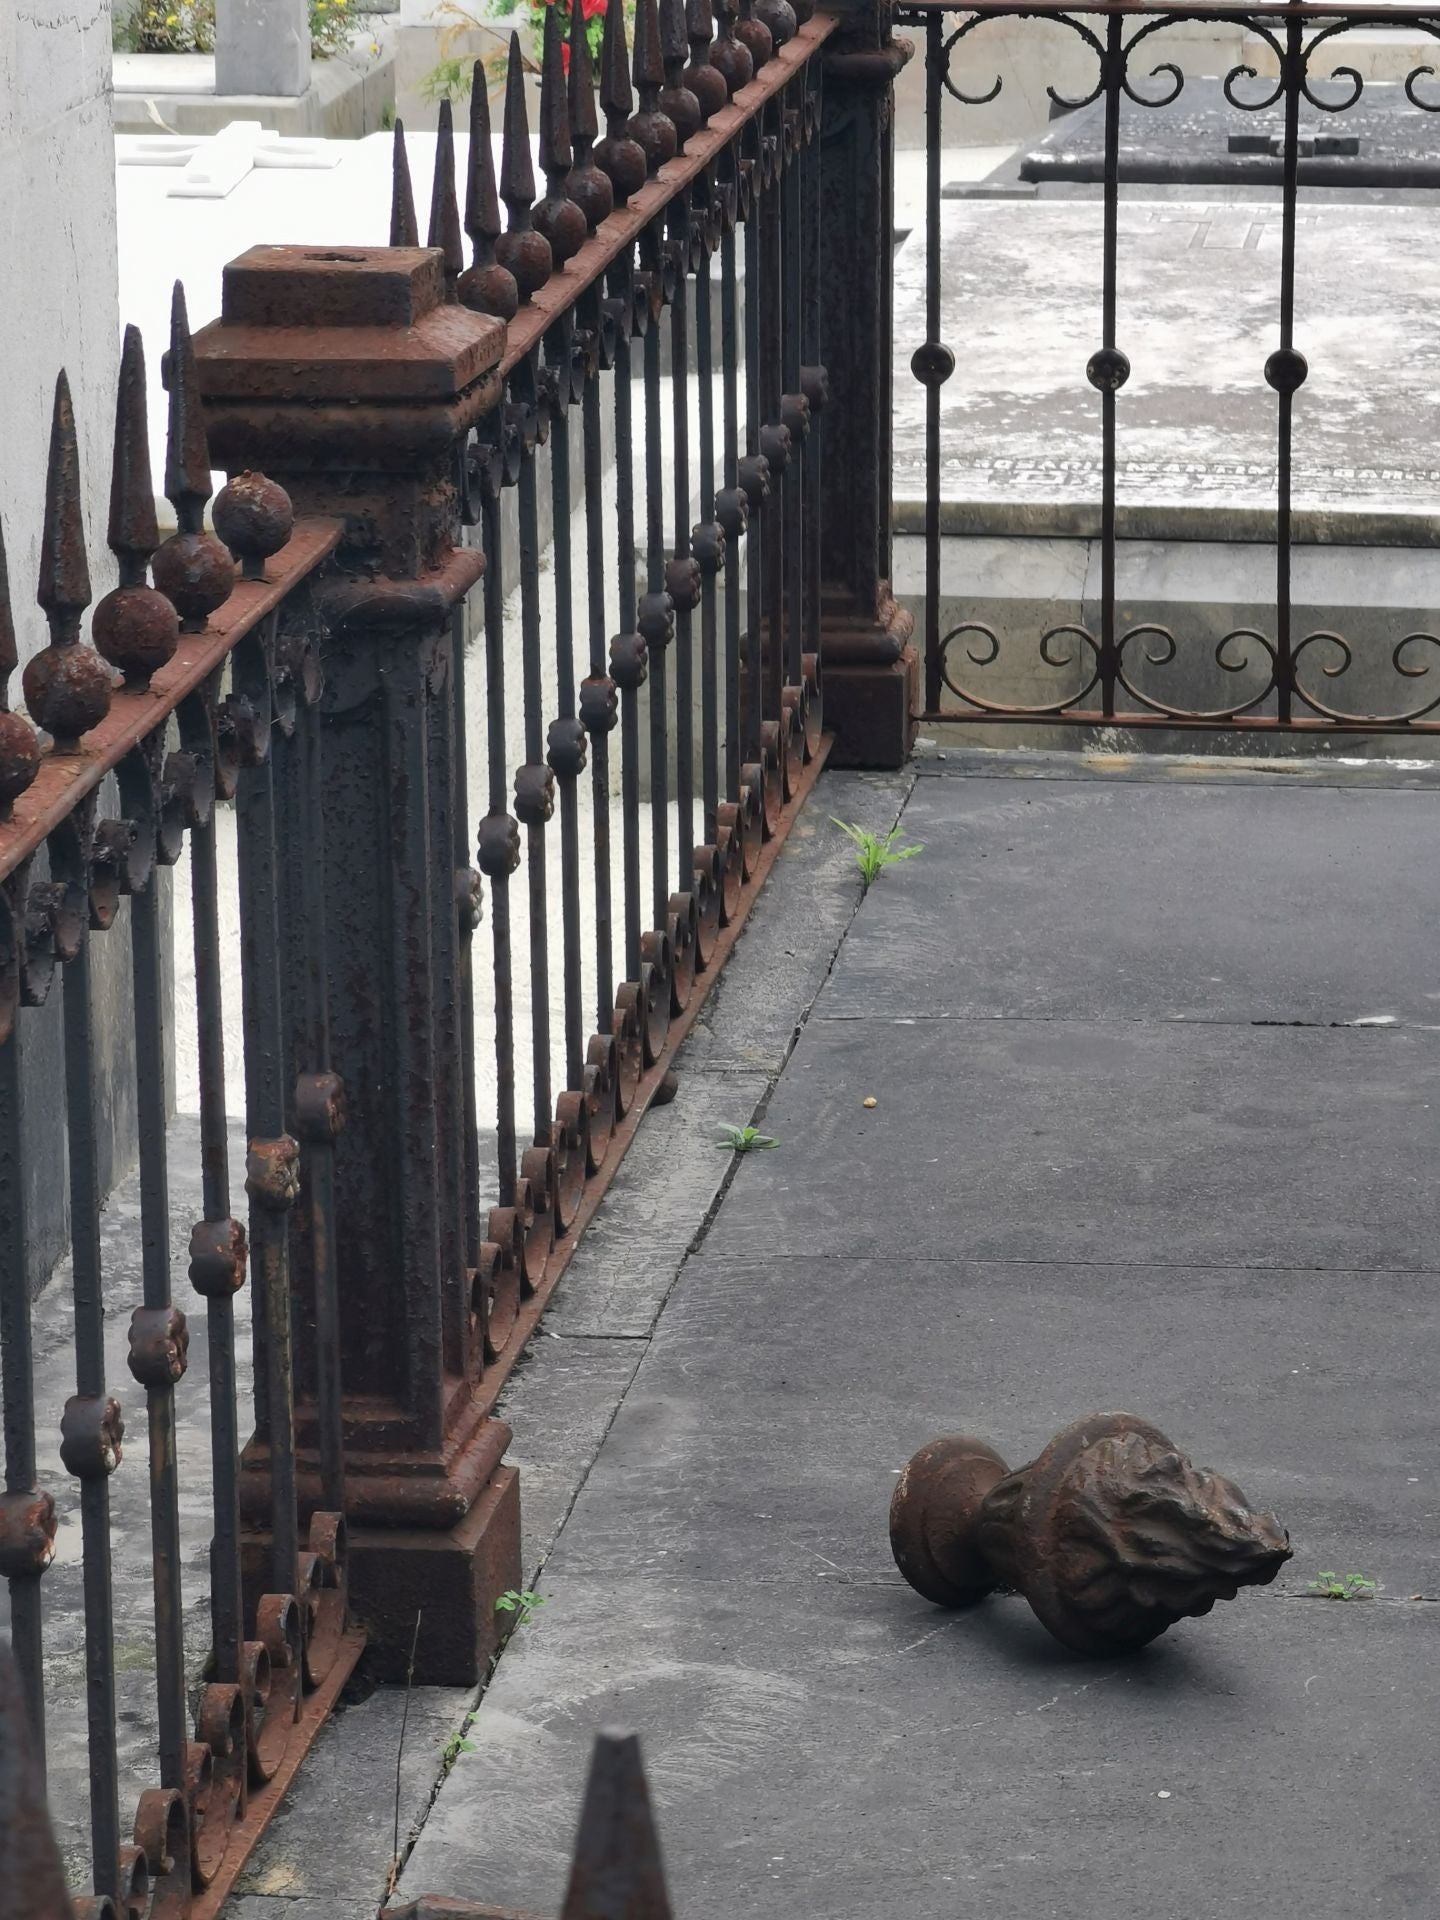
188	26
165	26
451	77
1342	1586
522	1602
873	853
743	1139
458	1744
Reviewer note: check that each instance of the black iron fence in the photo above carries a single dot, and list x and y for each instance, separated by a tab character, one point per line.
656	693
1279	673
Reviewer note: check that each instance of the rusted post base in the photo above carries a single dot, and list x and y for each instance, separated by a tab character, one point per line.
872	685
446	1580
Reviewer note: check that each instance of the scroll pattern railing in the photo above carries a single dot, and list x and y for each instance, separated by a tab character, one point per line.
305	663
1109	672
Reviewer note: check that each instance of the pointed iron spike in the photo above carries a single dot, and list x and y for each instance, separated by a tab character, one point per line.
616	1872
697	22
187	455
555	155
482	207
444	211
404	229
649	68
674	42
517	175
584	125
9	652
134	532
64	590
616	94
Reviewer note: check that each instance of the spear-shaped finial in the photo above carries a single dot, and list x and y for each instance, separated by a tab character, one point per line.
730	57
619	156
754	35
587	186
525	252
19	749
676	102
444	211
707	85
616	1872
557	217
404	231
651	127
67	686
134	627
193	569
485	286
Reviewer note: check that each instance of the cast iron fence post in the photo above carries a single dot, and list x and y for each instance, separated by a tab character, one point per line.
871	670
349	377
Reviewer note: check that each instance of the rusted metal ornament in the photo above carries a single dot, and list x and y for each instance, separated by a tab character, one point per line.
1111	1534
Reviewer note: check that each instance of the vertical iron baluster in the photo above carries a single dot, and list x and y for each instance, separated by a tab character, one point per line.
775	445
677	577
561	220
731	514
91	1402
497	821
1108	369
25	1511
598	695
815	382
656	617
705	379
274	1671
754	474
925	364
592	191
628	664
526	253
795	413
217	1255
682	574
157	1333
1285	372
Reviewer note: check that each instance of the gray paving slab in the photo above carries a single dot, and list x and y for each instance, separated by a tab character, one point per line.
1098	899
848	1750
1091	1140
1228	1227
1309	1389
785	953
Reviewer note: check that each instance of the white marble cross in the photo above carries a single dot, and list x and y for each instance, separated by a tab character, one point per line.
213	165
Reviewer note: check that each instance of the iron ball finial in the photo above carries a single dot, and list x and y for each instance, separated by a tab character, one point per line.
1110	1534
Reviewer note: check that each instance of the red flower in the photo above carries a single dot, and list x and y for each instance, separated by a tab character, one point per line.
591	8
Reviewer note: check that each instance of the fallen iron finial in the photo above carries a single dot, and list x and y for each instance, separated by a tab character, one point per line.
1111	1534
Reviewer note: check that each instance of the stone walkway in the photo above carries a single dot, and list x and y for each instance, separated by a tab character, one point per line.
1155	1064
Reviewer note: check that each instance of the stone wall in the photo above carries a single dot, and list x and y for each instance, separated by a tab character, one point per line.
57	240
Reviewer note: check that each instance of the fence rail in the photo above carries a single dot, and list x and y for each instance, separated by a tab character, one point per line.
305	664
1113	671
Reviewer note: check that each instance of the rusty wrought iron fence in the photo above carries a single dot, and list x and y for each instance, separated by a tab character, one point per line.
1112	670
305	664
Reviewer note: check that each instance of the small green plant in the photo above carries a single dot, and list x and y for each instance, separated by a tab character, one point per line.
522	1602
874	852
743	1139
457	1743
1342	1586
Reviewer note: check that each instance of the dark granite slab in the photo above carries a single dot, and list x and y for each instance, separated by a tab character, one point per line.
1203	140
